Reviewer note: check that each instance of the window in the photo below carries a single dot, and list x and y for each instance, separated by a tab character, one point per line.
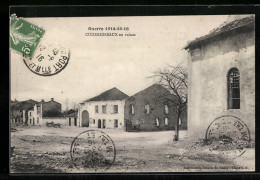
96	109
37	120
94	122
233	89
104	109
69	122
132	109
115	109
179	121
146	109
157	122
115	123
166	109
166	121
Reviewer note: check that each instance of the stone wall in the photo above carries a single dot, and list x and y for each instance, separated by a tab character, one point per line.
56	120
157	110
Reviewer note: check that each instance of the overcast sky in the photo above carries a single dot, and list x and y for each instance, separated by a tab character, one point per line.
100	63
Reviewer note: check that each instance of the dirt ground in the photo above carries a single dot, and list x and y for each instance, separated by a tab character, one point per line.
47	150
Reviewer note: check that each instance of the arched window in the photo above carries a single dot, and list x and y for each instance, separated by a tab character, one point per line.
233	89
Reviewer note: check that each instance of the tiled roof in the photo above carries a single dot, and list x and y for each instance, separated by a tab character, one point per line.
153	89
109	95
233	22
75	114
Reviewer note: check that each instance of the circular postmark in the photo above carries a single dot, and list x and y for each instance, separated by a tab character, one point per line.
228	136
48	59
93	150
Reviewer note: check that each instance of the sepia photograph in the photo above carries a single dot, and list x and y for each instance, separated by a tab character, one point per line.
132	94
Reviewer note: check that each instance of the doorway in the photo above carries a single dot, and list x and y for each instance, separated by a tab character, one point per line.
115	123
99	123
75	121
104	123
85	118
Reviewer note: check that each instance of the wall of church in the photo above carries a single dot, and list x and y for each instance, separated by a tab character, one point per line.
208	90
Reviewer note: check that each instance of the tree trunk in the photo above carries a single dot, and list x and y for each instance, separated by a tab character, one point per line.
176	136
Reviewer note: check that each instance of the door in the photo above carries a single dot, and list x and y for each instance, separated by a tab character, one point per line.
33	121
99	123
85	118
69	122
115	123
104	123
75	121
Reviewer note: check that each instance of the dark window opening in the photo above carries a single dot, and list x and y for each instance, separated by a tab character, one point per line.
147	109
233	89
132	109
96	109
115	109
104	109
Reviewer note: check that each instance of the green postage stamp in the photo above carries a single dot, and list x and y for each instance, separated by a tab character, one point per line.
24	36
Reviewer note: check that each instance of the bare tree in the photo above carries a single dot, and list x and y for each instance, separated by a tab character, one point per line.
75	106
175	80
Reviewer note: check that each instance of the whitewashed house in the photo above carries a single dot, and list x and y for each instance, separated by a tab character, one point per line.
103	111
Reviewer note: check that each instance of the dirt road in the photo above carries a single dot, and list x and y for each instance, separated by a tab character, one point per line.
47	150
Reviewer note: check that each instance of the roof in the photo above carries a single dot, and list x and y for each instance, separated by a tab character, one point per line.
75	114
109	95
151	88
233	22
46	102
41	102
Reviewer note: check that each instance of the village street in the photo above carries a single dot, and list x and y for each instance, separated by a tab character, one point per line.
47	150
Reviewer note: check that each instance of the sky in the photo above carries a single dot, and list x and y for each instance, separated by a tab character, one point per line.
99	63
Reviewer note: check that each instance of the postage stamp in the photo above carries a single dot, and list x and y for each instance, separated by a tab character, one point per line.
24	36
48	59
93	150
228	135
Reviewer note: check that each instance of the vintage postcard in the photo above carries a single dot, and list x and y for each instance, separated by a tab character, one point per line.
131	94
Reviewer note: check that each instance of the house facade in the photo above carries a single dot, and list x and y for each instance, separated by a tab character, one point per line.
72	118
222	75
43	112
151	110
103	111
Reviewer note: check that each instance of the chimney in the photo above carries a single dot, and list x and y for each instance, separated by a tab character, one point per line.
52	99
42	100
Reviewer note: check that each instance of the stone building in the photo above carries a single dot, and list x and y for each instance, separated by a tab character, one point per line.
103	111
222	75
150	109
72	118
43	112
19	111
